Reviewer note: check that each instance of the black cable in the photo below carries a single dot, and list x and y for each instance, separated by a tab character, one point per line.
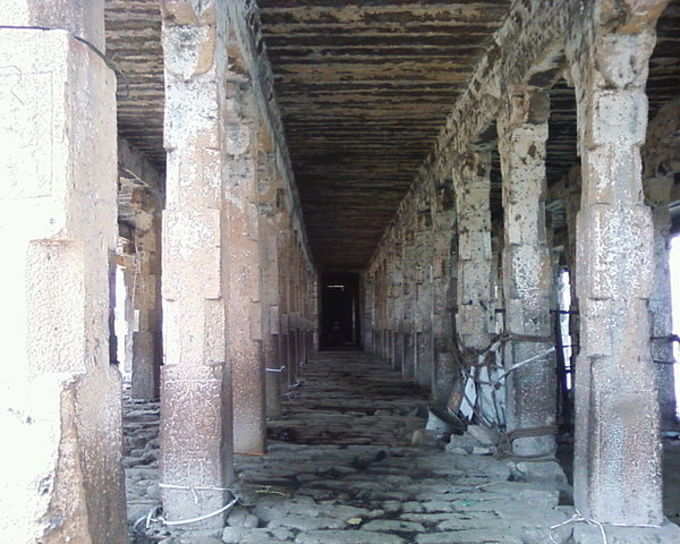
89	44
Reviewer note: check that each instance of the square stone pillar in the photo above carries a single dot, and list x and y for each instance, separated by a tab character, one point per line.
60	399
443	225
274	362
147	320
472	185
617	466
527	273
195	433
424	295
244	262
475	321
408	296
658	193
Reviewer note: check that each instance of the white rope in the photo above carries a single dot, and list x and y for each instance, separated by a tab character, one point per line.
198	518
522	363
194	489
151	518
579	518
276	370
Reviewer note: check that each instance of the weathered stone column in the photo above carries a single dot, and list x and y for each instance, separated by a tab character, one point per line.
284	287
443	221
531	402
408	302
617	466
244	307
658	193
368	282
423	294
474	318
146	336
196	443
268	187
60	400
660	159
573	207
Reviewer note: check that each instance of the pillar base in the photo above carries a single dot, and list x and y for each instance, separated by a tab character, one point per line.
62	492
195	443
668	533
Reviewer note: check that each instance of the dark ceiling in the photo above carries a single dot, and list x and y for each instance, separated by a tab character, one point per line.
363	86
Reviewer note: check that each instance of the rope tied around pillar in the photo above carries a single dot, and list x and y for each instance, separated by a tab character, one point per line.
485	360
154	516
580	518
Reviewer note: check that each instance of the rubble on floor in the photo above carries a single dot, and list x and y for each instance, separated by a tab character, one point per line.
348	474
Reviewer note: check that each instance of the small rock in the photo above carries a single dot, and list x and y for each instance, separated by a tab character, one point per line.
394	525
483	435
462	441
482	450
199	539
423	437
232	535
242	518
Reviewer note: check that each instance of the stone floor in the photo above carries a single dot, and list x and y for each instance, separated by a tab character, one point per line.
341	470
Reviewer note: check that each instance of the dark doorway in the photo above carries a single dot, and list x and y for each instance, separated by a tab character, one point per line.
340	327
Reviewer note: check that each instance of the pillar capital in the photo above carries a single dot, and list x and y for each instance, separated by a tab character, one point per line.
523	106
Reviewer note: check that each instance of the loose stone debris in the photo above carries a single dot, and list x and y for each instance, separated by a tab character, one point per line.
343	471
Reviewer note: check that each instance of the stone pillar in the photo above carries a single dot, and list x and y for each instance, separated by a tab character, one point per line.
424	295
196	444
573	207
284	287
658	195
659	155
474	318
442	230
147	321
60	400
244	291
409	367
124	328
617	465
531	402
268	187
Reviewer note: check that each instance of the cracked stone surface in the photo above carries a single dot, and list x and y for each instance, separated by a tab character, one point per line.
341	471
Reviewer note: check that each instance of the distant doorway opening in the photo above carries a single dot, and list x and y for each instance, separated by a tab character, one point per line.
340	326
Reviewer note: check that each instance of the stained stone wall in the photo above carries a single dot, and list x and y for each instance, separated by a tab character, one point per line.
60	399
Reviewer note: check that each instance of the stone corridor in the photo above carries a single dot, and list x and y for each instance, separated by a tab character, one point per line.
252	247
341	469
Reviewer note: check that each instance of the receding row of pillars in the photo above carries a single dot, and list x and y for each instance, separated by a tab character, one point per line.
237	293
617	404
242	326
220	326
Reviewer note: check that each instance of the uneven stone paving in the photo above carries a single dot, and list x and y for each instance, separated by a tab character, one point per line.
342	472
